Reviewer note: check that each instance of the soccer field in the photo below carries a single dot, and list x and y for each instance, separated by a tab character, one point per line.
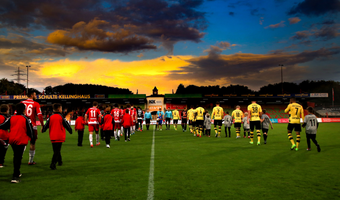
185	167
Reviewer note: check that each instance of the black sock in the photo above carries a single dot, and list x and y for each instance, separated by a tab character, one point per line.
265	137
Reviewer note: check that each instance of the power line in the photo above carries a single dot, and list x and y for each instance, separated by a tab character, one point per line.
19	73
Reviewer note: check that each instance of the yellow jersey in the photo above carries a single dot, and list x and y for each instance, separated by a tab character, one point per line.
295	111
217	113
237	115
191	114
254	111
175	115
200	113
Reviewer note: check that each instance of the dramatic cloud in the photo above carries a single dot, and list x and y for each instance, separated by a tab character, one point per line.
327	32
94	36
294	20
316	7
281	24
161	21
245	65
216	50
324	33
301	35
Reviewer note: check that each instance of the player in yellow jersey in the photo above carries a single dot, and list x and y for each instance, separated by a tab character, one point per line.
255	112
237	116
217	116
200	120
295	113
175	117
191	116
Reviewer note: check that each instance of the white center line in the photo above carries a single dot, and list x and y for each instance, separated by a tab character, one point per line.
152	163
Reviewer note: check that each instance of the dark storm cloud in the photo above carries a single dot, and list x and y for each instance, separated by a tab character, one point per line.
316	7
245	64
158	20
21	45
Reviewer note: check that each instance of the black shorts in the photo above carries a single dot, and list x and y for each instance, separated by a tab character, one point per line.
218	122
264	130
193	123
35	137
175	121
140	121
184	121
147	121
255	125
167	120
296	127
199	122
237	125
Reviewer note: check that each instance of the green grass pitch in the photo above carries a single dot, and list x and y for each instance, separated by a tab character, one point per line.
186	167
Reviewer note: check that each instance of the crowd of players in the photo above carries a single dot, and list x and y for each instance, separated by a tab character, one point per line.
20	128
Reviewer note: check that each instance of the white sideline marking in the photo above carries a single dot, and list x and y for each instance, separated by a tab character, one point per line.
152	163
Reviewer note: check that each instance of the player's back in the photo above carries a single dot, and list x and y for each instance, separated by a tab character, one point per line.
217	113
311	124
175	114
116	114
93	114
32	110
295	112
255	110
237	115
191	114
200	113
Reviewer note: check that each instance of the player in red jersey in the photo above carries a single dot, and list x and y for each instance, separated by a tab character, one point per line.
121	110
116	113
32	112
133	113
91	117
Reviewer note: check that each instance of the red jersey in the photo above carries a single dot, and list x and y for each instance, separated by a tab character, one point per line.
107	122
57	124
93	114
21	130
133	113
33	111
116	113
126	121
4	134
80	122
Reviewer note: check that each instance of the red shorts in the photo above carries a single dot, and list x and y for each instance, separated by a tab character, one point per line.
117	126
93	127
133	123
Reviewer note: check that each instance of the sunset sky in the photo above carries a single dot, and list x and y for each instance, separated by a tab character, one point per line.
139	44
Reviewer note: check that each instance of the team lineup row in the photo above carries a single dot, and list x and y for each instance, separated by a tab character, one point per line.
23	127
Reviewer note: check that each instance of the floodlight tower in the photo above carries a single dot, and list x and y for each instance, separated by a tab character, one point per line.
281	77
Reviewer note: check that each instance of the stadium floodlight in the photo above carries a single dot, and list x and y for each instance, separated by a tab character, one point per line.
27	78
281	77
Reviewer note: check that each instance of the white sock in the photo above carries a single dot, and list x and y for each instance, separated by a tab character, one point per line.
97	138
90	138
118	133
122	129
31	155
115	134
